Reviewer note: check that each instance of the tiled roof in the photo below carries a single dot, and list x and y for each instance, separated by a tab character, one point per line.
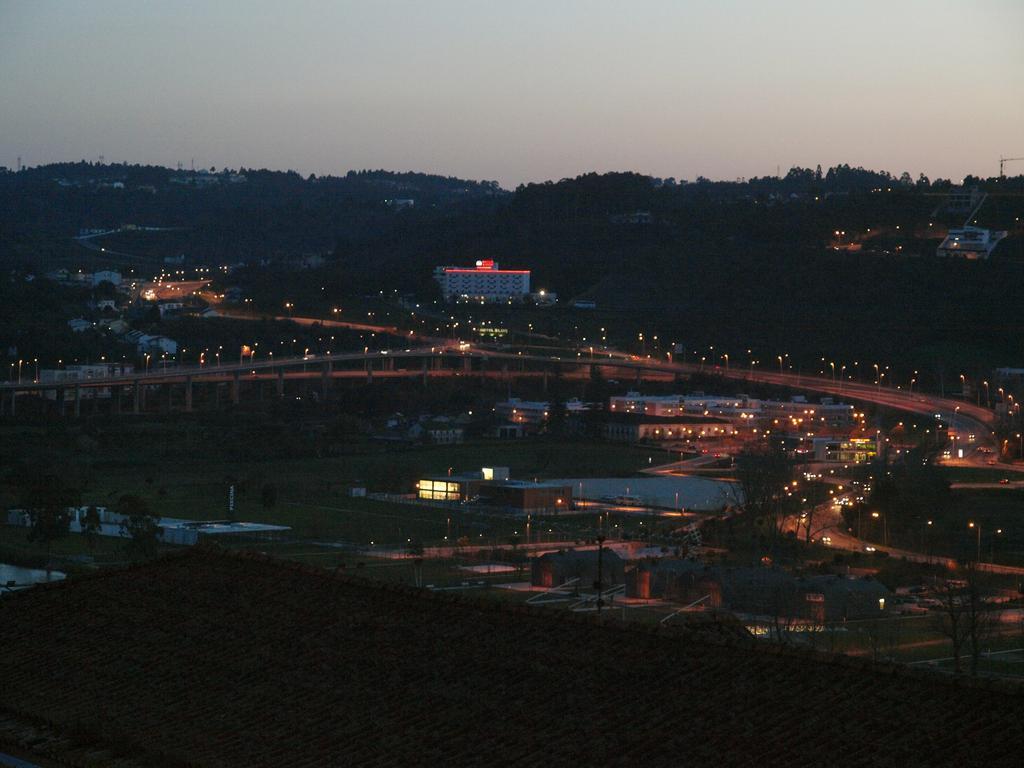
223	660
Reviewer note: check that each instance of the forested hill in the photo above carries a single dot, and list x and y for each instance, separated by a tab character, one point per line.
812	258
230	214
385	231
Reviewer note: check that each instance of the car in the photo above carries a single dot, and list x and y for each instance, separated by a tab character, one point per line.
991	462
869	548
1004	481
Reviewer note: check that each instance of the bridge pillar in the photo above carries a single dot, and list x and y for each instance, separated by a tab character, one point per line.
389	363
115	399
235	386
280	382
14	402
136	396
467	364
325	378
59	397
78	401
188	394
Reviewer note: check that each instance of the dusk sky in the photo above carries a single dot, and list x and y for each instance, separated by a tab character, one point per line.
517	91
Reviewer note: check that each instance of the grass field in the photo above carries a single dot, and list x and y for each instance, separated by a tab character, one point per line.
184	469
312	493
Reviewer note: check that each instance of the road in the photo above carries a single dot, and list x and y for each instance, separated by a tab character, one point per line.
965	415
172	289
88	241
390	330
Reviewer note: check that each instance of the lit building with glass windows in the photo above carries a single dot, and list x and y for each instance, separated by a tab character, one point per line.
484	282
492	487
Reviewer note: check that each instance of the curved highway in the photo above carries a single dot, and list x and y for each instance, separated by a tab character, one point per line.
962	415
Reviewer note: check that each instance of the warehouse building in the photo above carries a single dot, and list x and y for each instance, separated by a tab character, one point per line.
491	486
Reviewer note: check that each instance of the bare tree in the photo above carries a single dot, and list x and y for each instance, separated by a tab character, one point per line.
813	500
981	619
762	491
950	616
965	617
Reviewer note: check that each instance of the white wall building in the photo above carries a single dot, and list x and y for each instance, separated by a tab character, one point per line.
533	411
739	408
486	282
150	343
970	243
107	276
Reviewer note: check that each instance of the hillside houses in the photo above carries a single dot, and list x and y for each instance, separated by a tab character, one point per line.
151	343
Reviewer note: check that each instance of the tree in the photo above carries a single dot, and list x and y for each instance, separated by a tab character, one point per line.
557	411
141	527
90	526
813	497
46	497
597	389
268	496
763	475
980	618
963	616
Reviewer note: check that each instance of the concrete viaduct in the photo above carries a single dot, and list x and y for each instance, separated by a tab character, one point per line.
449	361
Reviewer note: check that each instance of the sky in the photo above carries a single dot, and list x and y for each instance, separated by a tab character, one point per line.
518	91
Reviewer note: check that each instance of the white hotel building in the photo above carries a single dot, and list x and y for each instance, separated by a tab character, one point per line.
484	282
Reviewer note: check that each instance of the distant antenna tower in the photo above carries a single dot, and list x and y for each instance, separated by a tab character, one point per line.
102	158
179	165
19	163
193	165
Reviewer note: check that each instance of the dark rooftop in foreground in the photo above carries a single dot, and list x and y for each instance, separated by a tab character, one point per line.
212	659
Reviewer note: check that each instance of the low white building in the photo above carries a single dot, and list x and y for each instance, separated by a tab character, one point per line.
79	372
970	243
106	276
151	343
532	411
740	409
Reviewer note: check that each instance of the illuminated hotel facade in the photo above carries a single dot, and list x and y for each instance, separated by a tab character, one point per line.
484	282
